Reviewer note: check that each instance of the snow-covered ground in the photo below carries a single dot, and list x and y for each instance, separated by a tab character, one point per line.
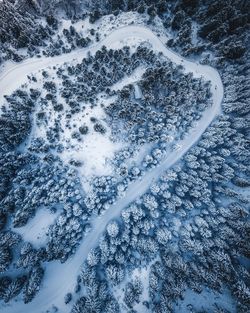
60	278
205	301
35	231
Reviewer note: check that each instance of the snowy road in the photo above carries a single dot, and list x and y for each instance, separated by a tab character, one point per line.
60	278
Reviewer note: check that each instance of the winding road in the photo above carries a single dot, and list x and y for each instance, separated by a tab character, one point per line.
61	278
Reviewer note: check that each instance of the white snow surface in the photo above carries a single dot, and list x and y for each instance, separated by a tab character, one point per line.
61	278
35	231
205	301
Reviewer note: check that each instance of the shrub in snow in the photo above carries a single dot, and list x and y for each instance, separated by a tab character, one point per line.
83	130
133	290
33	285
5	258
10	288
68	298
163	235
99	128
93	258
115	273
113	229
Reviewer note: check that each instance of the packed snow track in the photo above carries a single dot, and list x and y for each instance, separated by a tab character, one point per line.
61	278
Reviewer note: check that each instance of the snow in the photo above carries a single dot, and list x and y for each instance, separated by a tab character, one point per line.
60	278
35	231
138	93
94	152
205	301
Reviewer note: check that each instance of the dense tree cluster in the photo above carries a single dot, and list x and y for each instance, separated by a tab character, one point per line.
49	185
83	82
182	219
33	285
193	217
192	225
222	24
96	74
171	102
103	194
19	29
29	259
8	240
29	183
132	292
97	297
65	43
15	119
10	288
221	27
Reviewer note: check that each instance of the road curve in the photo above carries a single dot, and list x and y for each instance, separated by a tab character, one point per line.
60	278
